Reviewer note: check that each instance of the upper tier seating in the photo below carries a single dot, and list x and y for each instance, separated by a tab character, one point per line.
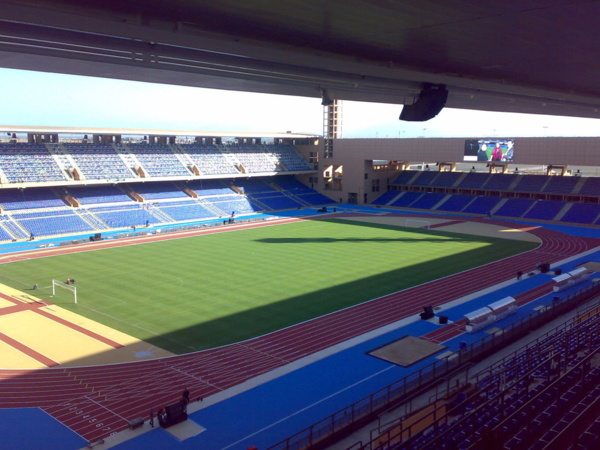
474	181
500	182
591	186
561	185
287	155
209	159
98	162
158	160
425	178
447	179
29	163
252	158
531	183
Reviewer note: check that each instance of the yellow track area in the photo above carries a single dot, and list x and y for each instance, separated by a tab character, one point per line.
36	335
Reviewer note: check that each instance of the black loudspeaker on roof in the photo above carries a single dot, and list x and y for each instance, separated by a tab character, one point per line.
430	102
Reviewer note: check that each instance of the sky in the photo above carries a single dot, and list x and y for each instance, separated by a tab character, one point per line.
49	99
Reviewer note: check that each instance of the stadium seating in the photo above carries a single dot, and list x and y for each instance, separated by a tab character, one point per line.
158	160
482	205
456	202
98	162
27	163
98	194
584	213
30	198
544	210
514	207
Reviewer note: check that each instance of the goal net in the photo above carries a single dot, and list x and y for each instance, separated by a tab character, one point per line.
416	223
61	285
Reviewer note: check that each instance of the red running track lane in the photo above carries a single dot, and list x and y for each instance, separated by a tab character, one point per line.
100	400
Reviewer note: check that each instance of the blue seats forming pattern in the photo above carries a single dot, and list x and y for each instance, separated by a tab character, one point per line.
27	163
544	210
482	205
98	162
456	202
158	160
527	399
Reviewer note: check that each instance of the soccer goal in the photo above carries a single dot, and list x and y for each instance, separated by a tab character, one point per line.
68	287
416	223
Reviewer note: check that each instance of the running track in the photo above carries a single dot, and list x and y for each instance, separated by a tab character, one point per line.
98	401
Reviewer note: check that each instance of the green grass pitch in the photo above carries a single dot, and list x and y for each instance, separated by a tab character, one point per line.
201	292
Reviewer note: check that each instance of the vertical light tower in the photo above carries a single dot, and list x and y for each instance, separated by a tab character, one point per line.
332	123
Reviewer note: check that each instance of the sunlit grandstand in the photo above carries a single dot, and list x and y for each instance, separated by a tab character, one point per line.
214	223
430	283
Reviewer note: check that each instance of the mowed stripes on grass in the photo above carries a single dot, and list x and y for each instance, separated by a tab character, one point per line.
206	291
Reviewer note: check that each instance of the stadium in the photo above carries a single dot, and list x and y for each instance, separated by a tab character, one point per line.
168	288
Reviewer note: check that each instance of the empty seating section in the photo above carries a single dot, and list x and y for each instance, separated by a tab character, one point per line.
447	179
48	223
209	160
98	194
582	213
98	162
482	205
456	202
252	158
291	185
406	199
562	185
209	188
385	198
591	186
514	207
405	177
425	178
544	210
158	160
4	234
238	205
253	185
315	198
428	201
500	182
277	201
29	198
531	183
158	191
184	210
29	163
474	180
524	400
287	155
124	216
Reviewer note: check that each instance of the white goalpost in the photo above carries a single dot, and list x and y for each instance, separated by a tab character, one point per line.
417	223
68	287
